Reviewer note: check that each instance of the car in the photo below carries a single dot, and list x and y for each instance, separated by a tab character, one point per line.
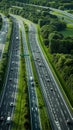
46	76
58	125
69	122
32	83
11	69
10	79
48	80
8	121
17	38
37	58
12	104
3	33
13	62
34	108
31	78
51	89
40	64
1	119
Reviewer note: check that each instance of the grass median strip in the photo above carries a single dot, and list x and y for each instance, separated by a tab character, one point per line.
21	119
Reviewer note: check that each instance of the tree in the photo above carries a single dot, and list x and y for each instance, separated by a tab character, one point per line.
53	46
43	22
59	25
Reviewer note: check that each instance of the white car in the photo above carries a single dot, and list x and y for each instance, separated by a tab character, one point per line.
12	104
17	38
31	78
8	121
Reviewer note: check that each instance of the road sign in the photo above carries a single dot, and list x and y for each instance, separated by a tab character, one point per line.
23	55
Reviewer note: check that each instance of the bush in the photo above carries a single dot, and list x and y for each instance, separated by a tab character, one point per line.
59	25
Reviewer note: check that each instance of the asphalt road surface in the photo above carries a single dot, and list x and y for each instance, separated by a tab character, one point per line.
34	113
11	84
59	114
3	34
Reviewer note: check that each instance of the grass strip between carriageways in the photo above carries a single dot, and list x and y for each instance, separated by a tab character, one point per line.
21	118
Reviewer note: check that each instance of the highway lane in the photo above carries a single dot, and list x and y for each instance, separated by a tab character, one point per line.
10	89
63	12
56	106
46	7
68	18
3	34
66	15
34	112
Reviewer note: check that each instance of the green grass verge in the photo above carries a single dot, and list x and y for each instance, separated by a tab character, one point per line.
56	74
21	118
67	32
45	124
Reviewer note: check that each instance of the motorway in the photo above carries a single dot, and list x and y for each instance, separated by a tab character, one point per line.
68	18
3	34
58	112
60	116
8	98
34	112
